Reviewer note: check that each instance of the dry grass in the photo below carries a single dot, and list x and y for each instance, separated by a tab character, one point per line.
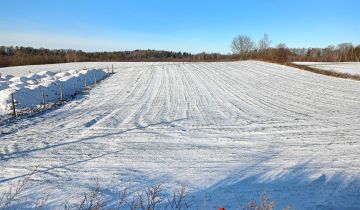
324	72
150	198
9	199
315	70
264	203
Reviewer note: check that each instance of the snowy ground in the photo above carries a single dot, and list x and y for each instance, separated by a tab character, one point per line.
34	89
230	131
60	67
344	67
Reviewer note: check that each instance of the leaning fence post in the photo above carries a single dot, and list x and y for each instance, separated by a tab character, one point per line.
13	105
43	97
74	87
61	92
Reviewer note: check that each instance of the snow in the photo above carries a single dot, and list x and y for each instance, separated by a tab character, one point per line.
228	130
59	67
344	67
28	90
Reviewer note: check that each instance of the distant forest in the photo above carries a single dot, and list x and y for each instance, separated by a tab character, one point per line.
16	56
242	47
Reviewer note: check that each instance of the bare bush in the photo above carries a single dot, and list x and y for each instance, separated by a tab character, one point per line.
11	196
265	203
178	200
122	198
154	196
151	198
39	204
281	53
90	201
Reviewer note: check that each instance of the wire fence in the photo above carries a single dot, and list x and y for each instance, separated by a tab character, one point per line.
40	97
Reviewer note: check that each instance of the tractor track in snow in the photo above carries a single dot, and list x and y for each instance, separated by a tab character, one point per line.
208	125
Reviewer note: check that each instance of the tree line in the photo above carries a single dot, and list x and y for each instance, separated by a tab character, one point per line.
242	46
246	48
15	56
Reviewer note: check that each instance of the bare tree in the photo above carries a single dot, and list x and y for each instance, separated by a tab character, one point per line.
264	43
330	54
344	49
242	45
357	53
282	53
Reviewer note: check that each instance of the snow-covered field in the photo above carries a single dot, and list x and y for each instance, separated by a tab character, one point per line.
343	67
61	67
229	131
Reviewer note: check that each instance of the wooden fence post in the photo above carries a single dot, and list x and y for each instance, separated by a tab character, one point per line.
112	68
85	81
61	92
43	97
74	86
13	105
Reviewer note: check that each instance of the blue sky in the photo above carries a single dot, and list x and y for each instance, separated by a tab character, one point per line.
178	25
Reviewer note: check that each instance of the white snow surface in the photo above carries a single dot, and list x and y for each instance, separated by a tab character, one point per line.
343	67
59	67
28	91
228	130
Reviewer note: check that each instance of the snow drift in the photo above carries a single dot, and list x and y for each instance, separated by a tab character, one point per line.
30	91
